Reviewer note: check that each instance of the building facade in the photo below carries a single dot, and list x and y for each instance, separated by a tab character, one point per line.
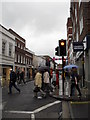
38	61
23	56
7	53
20	44
69	41
80	15
29	63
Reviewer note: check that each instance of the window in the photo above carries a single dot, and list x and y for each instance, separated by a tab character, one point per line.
24	60
3	47
81	23
18	58
15	43
77	35
15	57
79	2
18	45
10	49
76	14
21	59
73	27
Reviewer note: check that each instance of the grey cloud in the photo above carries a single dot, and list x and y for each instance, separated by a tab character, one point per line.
42	22
45	17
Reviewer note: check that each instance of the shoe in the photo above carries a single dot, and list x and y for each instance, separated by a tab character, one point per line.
79	96
9	93
39	97
69	96
19	91
34	96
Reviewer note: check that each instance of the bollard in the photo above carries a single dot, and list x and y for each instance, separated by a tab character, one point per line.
60	88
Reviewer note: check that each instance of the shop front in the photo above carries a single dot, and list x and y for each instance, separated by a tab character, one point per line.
5	75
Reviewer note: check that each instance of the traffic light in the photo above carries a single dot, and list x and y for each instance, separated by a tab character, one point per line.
62	45
57	51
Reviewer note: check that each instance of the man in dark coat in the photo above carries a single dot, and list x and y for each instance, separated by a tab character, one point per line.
12	82
74	81
22	77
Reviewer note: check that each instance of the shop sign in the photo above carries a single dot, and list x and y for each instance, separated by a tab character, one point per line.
78	46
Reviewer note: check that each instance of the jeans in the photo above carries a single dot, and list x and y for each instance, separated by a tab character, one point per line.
77	87
14	85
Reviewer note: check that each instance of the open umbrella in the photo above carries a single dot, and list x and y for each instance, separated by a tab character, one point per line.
43	68
70	66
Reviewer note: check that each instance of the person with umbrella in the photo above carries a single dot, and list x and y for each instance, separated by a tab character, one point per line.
74	81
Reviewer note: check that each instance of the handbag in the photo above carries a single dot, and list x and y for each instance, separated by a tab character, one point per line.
36	89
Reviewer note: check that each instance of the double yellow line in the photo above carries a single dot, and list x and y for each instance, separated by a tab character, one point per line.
80	102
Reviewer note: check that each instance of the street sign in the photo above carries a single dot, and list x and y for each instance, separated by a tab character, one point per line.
78	46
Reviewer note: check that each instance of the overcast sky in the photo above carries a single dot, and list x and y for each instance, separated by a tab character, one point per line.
41	24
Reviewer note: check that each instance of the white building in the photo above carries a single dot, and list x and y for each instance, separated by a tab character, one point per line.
7	52
38	61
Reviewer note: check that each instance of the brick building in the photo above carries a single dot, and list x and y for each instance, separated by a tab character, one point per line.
80	16
23	56
69	40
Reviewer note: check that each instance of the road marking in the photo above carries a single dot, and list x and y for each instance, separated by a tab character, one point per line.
1	106
20	112
35	111
32	116
82	102
46	106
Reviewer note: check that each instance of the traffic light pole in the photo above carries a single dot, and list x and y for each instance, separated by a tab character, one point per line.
63	74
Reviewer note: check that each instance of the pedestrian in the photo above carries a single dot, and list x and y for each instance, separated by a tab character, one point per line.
74	81
57	79
22	77
38	84
67	82
47	86
18	74
54	78
13	82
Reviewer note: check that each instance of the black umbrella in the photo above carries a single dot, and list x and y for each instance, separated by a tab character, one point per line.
43	68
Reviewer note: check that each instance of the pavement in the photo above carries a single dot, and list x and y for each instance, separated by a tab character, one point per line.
75	107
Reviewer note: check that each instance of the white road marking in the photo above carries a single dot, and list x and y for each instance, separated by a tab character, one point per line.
35	111
20	112
46	106
1	106
32	116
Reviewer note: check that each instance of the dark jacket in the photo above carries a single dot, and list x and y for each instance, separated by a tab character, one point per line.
73	75
12	76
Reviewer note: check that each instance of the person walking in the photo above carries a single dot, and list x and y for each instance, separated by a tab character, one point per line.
22	77
38	84
13	82
67	82
47	86
74	81
57	79
54	78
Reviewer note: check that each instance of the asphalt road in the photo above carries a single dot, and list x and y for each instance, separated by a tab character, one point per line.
24	106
